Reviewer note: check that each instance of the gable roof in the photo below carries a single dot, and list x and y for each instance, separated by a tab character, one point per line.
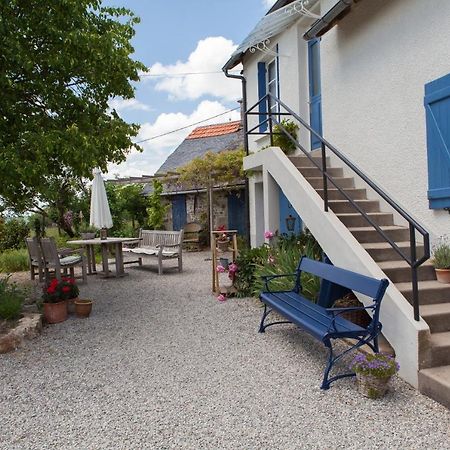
215	138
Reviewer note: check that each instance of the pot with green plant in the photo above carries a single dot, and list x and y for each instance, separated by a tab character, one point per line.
373	373
281	139
55	299
441	260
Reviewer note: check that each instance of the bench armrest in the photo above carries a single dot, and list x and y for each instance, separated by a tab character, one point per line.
268	278
338	311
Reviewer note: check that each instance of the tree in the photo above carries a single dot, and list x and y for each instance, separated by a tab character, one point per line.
134	203
60	64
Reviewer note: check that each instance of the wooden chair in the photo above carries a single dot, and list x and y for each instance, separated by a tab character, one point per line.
60	264
35	258
193	236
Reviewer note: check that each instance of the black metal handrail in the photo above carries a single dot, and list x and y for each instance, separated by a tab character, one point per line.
270	119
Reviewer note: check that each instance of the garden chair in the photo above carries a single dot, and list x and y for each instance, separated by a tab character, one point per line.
61	263
35	259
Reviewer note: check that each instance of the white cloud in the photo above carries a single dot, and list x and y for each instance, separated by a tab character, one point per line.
156	151
268	3
209	56
120	104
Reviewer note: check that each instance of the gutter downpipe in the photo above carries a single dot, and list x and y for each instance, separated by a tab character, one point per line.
245	128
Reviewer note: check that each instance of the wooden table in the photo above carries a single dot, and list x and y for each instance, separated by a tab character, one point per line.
90	244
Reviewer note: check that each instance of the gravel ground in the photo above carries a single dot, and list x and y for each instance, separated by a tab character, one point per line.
160	364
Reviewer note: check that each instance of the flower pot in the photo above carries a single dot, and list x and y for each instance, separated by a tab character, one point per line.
223	245
443	275
371	386
83	308
55	312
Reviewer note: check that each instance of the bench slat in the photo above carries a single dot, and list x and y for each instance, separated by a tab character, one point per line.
351	280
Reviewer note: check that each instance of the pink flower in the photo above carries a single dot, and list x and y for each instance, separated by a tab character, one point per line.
221	298
233	267
220	269
269	234
271	260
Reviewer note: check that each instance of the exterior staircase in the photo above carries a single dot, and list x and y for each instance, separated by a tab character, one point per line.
434	297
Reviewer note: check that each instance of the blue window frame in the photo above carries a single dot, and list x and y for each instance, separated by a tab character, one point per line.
437	111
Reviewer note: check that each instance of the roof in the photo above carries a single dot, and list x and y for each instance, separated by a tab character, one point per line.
215	130
282	14
214	138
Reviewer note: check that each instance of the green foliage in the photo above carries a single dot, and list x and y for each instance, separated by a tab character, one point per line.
441	254
11	299
280	139
156	209
61	63
13	233
133	204
379	365
281	257
213	168
14	261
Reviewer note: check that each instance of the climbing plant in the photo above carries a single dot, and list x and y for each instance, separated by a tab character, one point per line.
156	209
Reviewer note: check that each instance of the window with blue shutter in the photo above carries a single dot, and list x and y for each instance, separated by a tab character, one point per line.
261	93
437	107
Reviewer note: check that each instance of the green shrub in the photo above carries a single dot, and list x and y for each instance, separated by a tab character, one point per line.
13	261
11	299
441	254
281	140
246	261
13	233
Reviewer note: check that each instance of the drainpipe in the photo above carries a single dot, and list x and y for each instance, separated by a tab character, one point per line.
244	128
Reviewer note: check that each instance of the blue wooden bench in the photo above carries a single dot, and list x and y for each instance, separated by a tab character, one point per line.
326	324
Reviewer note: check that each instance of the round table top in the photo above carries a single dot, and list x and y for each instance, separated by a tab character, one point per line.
98	241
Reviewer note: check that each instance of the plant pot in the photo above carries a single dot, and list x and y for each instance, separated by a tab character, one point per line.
83	308
223	245
372	387
55	312
443	275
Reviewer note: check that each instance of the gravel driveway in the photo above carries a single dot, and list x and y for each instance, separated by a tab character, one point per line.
160	364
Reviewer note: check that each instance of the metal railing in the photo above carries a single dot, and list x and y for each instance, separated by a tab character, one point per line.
265	126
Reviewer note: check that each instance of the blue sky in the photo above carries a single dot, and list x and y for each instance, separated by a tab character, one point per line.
172	39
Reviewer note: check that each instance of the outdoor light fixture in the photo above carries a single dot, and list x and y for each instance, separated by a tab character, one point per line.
290	222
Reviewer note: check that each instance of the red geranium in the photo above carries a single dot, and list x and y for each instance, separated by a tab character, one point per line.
57	291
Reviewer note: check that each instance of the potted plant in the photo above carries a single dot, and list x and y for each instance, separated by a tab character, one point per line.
83	307
222	242
373	373
69	292
441	260
55	297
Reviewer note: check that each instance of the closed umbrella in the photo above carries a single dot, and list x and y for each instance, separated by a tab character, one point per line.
100	213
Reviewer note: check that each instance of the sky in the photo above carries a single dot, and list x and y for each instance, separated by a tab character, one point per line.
173	39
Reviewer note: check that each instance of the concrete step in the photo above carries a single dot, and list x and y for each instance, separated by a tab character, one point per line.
430	292
303	161
435	383
315	172
436	316
440	349
400	271
344	206
383	251
334	194
344	182
358	220
369	234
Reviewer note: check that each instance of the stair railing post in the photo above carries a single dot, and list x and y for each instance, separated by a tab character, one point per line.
325	179
269	111
414	281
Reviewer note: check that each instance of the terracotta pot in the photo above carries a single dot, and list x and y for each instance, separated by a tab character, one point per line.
83	308
443	275
55	312
372	387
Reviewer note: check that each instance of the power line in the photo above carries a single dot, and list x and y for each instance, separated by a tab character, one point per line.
187	126
181	74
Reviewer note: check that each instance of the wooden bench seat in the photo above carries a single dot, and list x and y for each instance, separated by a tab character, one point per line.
160	244
326	324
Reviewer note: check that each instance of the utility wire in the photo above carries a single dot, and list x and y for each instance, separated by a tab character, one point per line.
182	74
187	126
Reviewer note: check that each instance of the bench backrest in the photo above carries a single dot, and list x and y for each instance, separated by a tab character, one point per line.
152	238
355	281
192	227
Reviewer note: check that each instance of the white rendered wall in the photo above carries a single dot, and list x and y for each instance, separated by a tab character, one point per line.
374	65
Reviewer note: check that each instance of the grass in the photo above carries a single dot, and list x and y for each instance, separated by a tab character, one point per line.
14	261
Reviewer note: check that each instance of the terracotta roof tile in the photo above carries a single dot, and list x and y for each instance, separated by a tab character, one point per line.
215	130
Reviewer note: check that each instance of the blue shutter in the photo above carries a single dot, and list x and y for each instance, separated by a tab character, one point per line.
437	108
261	94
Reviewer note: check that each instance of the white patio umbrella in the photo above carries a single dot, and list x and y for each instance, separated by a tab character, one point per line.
100	213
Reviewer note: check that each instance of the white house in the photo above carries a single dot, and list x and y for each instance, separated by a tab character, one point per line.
372	79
